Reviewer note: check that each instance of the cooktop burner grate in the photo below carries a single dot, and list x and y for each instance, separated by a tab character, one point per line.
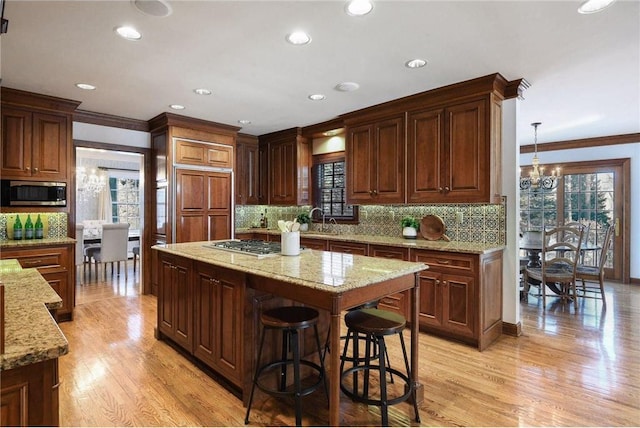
253	247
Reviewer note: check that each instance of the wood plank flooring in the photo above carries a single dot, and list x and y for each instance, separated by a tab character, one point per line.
569	368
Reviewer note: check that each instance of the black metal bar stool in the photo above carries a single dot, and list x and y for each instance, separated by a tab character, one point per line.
290	320
375	324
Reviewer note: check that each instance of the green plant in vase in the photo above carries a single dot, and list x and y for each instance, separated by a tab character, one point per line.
409	227
304	220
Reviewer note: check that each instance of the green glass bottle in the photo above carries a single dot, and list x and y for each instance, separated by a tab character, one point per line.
17	229
39	231
28	228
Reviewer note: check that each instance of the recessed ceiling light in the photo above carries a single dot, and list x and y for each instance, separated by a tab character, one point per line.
359	7
202	91
316	97
415	63
85	86
244	122
593	6
128	33
159	8
347	86
298	38
176	106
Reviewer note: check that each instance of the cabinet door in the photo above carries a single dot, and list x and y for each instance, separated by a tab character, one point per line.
283	168
360	156
191	221
247	174
397	302
204	154
263	171
460	304
218	206
388	174
59	281
50	147
175	311
430	298
466	154
165	296
424	151
16	143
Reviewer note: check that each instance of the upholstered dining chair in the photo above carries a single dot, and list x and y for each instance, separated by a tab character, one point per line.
113	247
79	249
559	258
590	274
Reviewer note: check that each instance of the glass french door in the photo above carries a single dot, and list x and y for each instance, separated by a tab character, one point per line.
591	193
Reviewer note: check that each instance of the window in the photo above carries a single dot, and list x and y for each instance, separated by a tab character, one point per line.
125	201
329	181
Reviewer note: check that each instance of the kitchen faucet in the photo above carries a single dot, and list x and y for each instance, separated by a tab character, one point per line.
322	212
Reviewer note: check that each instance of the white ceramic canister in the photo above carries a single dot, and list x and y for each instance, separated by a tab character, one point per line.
290	243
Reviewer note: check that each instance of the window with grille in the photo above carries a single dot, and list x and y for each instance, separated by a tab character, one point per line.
125	201
329	188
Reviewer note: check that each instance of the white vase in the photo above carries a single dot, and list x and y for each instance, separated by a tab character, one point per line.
409	232
304	227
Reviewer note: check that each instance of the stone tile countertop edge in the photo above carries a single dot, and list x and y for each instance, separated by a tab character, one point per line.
31	333
322	270
421	244
9	243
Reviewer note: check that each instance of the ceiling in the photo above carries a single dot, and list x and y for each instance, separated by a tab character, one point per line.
584	70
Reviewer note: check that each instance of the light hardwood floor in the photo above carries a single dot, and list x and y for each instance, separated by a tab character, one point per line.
569	368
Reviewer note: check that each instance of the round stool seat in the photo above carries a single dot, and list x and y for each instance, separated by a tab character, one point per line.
290	317
376	322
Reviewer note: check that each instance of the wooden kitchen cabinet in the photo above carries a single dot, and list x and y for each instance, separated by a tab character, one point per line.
218	311
205	154
314	243
247	172
175	299
36	136
203	209
288	166
374	156
349	247
397	302
56	265
461	295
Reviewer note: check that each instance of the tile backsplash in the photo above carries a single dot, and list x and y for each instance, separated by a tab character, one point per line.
483	223
55	224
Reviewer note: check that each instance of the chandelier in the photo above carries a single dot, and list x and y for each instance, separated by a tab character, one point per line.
536	179
89	183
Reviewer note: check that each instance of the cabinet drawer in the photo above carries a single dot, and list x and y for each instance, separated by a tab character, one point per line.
440	261
348	247
397	302
53	258
315	244
389	252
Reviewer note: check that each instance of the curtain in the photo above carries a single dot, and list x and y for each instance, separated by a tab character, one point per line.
104	205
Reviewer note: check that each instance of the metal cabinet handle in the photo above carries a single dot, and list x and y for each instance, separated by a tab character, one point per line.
32	262
36	169
446	189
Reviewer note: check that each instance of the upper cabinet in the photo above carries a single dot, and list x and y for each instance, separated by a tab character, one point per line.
247	172
375	162
450	152
36	136
204	154
288	161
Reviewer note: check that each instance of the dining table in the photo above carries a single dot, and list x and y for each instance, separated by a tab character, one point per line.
92	238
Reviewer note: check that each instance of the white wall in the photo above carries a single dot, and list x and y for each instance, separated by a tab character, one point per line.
109	135
607	152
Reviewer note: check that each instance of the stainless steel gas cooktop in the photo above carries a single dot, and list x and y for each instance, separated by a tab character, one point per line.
254	247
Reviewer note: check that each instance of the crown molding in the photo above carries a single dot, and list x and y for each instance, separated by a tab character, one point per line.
584	143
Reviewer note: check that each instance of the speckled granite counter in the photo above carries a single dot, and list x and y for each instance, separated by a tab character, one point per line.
32	335
316	269
453	246
9	243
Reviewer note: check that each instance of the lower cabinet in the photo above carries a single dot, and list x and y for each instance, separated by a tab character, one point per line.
29	395
461	295
398	302
175	299
56	265
218	301
200	308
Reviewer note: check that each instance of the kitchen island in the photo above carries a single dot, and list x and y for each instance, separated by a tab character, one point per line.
33	344
189	273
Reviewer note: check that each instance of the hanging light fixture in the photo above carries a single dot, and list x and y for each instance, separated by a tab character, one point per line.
89	184
536	179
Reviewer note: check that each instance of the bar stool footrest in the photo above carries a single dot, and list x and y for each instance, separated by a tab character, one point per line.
373	402
305	391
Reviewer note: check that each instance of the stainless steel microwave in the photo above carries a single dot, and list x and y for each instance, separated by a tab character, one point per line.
16	193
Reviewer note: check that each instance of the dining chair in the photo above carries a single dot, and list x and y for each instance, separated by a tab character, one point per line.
79	249
558	261
587	273
113	247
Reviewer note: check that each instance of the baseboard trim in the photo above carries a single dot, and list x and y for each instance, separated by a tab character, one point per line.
634	280
511	329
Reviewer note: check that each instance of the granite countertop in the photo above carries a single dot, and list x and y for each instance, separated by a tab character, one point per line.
392	241
31	333
323	270
10	243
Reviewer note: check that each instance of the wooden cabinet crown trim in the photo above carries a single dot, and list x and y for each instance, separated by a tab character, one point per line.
16	97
